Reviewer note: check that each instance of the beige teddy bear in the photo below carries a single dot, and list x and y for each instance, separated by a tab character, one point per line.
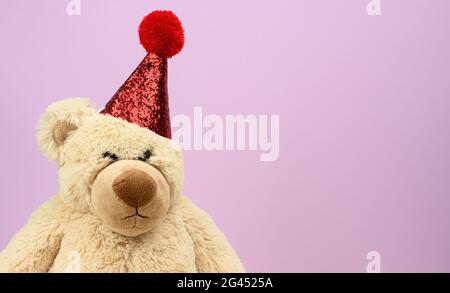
120	206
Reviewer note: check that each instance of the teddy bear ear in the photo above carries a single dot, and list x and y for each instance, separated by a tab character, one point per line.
59	121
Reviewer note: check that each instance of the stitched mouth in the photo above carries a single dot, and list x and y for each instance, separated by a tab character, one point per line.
136	214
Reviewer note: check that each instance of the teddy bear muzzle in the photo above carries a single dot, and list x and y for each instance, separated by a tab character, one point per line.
130	196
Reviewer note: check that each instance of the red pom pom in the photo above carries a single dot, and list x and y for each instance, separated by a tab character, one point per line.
161	33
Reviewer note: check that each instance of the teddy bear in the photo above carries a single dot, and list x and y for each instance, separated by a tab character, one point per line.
120	206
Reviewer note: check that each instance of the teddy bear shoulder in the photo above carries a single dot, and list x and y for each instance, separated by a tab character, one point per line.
54	211
194	218
189	211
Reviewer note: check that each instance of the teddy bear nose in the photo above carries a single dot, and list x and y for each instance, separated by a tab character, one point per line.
135	187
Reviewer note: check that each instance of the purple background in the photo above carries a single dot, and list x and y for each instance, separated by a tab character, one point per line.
364	119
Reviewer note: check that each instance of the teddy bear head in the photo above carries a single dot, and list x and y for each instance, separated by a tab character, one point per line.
124	174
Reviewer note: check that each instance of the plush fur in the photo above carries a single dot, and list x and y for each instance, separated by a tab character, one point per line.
88	227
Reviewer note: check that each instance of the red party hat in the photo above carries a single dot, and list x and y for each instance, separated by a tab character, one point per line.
143	98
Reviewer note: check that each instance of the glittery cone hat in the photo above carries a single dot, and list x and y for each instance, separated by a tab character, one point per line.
143	98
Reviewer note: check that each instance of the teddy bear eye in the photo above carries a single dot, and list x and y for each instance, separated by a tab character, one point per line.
145	156
112	156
